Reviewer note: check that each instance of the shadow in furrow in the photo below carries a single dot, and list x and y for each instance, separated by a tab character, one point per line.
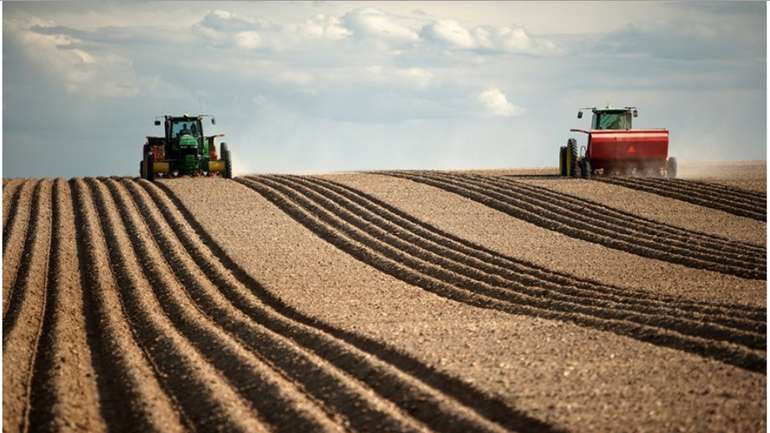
639	225
520	207
41	400
591	224
738	317
755	209
533	272
424	246
13	210
488	406
191	390
119	403
274	407
18	294
445	284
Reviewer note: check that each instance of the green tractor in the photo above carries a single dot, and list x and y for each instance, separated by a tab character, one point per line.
184	151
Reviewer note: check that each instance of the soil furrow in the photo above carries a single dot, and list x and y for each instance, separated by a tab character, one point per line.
22	325
342	238
131	397
28	276
582	215
208	399
527	273
11	194
525	280
756	211
17	240
719	192
342	397
706	192
538	273
579	229
724	191
63	393
474	275
439	401
280	402
649	227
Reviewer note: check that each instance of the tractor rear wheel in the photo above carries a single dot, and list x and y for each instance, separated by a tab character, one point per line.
225	151
572	156
563	161
671	168
149	173
585	168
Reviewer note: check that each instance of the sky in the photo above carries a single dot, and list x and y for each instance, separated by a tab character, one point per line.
313	87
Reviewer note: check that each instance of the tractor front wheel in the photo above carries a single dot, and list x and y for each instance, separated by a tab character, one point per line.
563	161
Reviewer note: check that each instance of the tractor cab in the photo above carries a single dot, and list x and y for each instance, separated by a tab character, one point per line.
611	118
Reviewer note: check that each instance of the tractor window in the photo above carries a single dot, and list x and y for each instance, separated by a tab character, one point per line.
614	121
184	127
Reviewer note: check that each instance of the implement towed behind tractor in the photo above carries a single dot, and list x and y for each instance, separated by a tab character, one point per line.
184	151
616	149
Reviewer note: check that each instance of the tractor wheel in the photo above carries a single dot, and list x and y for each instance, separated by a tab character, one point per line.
585	168
563	161
671	168
572	156
149	173
223	149
145	151
228	174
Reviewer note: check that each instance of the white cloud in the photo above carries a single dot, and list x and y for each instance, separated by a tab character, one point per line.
373	23
451	34
248	40
495	102
80	71
325	26
226	22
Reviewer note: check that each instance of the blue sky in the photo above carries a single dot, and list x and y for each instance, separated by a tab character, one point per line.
323	86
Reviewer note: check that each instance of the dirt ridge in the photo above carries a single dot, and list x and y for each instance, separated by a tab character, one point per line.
570	290
713	244
18	293
11	194
479	272
22	326
204	395
415	271
17	237
131	394
402	367
57	374
531	273
720	188
534	211
714	198
277	353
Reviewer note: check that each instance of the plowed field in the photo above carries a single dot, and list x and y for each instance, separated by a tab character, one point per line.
389	301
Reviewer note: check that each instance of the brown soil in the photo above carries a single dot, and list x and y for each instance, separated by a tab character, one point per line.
364	302
516	238
661	209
